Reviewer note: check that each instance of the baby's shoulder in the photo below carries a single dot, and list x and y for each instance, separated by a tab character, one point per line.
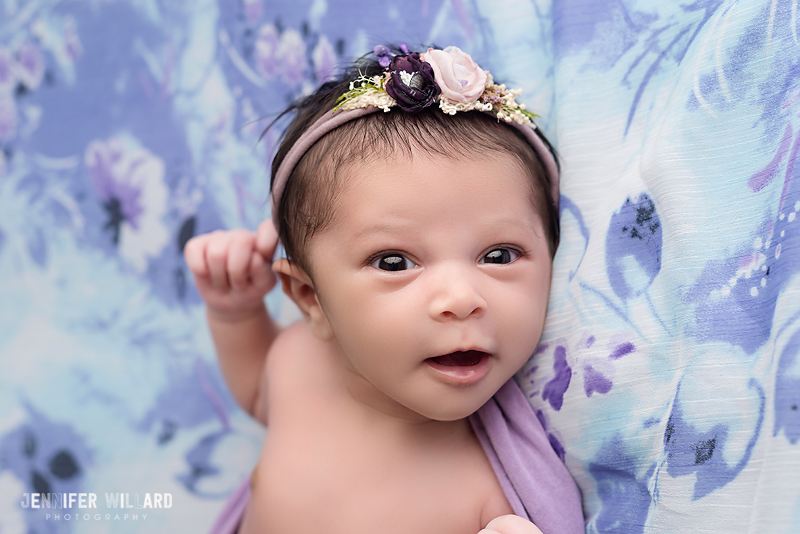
297	365
295	350
296	338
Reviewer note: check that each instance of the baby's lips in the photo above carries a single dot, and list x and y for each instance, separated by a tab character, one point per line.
461	368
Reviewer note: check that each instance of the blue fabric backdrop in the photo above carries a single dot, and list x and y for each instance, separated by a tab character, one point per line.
669	374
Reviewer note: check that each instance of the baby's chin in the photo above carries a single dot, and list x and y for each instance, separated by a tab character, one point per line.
450	409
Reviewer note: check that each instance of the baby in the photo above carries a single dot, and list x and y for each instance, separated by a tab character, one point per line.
417	205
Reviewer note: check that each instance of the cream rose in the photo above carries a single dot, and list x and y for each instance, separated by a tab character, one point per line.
460	79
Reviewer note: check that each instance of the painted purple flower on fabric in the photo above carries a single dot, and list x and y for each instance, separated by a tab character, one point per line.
633	247
8	118
292	57
8	71
130	183
30	65
787	391
411	83
621	350
324	58
555	389
700	451
50	456
622	480
595	382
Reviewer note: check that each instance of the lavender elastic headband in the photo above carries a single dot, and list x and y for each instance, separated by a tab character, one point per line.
334	119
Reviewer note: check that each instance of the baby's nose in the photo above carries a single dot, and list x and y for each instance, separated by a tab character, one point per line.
456	295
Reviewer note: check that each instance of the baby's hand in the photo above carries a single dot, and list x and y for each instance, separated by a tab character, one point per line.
510	524
232	269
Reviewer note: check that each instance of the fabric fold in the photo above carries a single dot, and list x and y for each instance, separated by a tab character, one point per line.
535	480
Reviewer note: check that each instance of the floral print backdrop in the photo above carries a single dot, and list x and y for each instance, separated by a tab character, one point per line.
668	378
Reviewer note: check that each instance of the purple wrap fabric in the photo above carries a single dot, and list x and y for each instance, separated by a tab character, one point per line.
230	517
533	477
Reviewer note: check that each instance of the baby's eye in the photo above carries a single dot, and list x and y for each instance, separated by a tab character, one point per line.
500	255
393	262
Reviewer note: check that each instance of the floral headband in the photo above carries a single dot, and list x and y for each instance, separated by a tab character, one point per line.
412	82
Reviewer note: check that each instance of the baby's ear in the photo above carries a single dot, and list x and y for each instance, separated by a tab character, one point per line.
300	288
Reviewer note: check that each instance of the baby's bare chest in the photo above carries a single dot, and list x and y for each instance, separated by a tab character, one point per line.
323	478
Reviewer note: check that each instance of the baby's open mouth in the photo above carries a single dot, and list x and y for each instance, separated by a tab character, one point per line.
461	358
462	367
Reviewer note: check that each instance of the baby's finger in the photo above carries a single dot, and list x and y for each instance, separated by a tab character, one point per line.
266	239
195	254
239	254
261	273
217	259
511	524
204	286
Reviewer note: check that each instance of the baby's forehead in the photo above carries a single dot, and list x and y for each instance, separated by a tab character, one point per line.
495	169
395	190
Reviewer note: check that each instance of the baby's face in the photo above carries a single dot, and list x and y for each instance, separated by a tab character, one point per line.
434	276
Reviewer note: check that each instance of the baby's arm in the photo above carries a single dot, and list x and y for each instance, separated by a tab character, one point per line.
510	524
233	273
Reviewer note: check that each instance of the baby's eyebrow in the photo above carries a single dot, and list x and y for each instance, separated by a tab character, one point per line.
382	228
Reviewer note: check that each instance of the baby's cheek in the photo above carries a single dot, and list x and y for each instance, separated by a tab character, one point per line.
525	327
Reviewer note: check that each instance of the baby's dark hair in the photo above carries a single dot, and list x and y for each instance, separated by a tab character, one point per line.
308	202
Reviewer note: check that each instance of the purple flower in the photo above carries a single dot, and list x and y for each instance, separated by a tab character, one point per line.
292	55
384	55
130	184
411	83
30	65
8	118
109	170
8	72
381	51
267	51
324	59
